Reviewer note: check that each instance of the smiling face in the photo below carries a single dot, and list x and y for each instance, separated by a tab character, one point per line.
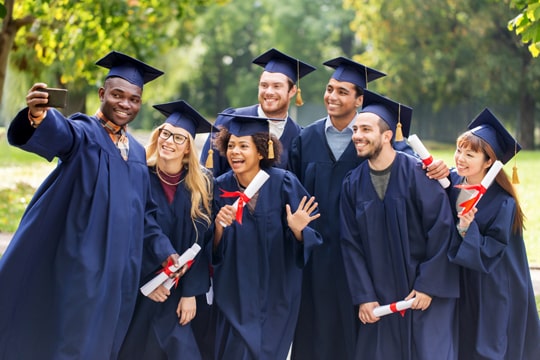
275	94
341	100
243	156
120	100
471	164
175	146
368	136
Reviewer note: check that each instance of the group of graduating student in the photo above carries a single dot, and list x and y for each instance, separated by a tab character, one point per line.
304	232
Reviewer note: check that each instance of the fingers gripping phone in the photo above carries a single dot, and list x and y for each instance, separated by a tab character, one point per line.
57	97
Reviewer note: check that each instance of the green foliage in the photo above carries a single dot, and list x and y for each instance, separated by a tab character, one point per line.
2	11
228	37
66	33
13	202
447	51
527	24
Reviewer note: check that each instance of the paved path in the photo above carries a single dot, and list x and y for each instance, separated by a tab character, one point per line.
535	270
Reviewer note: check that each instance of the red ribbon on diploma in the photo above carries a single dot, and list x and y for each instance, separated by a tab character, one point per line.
394	309
427	161
469	204
242	199
169	272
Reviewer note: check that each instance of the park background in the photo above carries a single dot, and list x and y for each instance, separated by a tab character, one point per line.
447	59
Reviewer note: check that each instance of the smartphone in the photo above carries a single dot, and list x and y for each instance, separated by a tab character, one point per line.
57	97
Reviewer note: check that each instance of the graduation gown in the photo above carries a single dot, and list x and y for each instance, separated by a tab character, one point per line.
155	332
326	327
393	246
291	131
69	278
498	318
257	271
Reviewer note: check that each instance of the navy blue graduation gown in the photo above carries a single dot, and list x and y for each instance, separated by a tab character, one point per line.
326	327
498	318
292	129
155	332
70	276
393	246
257	271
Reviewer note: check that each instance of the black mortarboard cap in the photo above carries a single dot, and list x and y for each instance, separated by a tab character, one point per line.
353	72
391	112
487	127
180	114
244	125
275	61
128	68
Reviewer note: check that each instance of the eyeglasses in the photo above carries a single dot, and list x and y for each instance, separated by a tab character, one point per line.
177	138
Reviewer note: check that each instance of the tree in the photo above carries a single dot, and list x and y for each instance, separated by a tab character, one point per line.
56	42
527	23
10	27
449	59
233	34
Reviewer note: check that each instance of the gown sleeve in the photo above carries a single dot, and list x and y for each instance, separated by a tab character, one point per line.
483	252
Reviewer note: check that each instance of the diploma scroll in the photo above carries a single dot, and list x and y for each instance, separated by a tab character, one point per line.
481	188
160	278
399	306
426	157
252	188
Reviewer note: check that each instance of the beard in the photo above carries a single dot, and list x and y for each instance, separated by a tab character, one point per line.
372	152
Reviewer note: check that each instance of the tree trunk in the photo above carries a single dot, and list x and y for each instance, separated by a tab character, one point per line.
10	27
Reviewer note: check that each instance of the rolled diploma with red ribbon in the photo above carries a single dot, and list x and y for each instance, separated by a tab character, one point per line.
174	281
160	278
399	306
252	188
482	188
426	157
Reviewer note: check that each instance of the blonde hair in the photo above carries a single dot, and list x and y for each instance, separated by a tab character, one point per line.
198	180
470	141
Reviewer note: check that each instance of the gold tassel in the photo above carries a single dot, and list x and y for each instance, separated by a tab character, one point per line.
270	149
210	159
299	101
515	178
399	133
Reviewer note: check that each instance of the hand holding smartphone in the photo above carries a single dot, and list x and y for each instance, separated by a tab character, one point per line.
57	97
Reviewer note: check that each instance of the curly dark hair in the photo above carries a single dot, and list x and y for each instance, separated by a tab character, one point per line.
261	143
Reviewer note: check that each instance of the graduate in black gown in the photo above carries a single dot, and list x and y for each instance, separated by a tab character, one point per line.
498	318
396	228
277	86
260	247
182	189
70	276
